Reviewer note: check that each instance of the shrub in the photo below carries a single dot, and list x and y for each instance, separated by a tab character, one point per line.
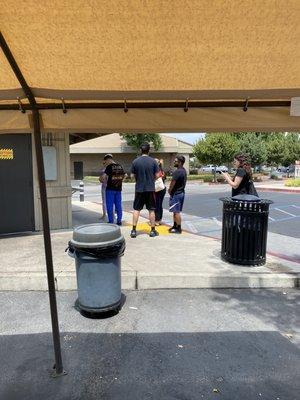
221	179
257	177
293	182
276	176
206	177
91	179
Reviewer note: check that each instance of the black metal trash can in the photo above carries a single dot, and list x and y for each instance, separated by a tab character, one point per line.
245	228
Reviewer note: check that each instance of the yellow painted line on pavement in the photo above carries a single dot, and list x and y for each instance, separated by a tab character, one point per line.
145	228
161	229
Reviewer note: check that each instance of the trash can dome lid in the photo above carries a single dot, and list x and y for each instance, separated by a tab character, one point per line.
245	197
96	235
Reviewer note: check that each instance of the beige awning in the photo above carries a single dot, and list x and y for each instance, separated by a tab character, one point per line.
151	51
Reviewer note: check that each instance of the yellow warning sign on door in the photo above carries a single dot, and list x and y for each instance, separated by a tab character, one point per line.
6	154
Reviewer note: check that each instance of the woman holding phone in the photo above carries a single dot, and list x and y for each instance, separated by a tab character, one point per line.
242	182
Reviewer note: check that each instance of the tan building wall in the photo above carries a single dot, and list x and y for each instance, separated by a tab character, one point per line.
59	191
92	163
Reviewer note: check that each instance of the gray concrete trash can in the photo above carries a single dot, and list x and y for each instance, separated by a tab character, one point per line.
97	250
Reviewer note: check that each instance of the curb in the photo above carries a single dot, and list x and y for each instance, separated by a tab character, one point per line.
206	281
264	189
64	281
131	280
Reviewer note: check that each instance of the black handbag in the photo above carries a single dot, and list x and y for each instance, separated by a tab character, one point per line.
251	189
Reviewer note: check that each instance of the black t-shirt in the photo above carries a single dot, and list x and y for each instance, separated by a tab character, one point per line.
144	168
243	187
115	174
179	176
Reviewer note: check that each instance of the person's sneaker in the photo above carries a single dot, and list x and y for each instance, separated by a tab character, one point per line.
175	230
171	229
153	233
119	223
133	233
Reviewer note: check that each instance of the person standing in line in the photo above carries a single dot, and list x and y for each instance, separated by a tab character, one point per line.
160	192
145	170
177	193
114	174
103	181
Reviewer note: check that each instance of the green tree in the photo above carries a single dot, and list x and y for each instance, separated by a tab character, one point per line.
253	145
283	149
291	151
135	140
275	148
216	149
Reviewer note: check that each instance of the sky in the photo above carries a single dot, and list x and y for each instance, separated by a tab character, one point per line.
187	137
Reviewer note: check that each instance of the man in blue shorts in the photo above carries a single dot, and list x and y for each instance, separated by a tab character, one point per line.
176	192
145	170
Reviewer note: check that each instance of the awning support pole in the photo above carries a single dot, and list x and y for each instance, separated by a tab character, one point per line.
44	205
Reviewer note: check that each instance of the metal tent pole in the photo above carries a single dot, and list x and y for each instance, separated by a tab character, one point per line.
44	205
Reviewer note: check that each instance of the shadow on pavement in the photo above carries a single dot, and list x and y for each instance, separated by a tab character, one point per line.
82	216
285	315
228	365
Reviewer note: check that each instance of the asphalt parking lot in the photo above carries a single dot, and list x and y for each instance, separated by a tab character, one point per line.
202	202
284	215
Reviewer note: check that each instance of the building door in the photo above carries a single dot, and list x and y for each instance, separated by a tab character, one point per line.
16	184
78	170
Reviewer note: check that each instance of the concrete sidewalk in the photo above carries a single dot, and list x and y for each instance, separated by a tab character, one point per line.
168	261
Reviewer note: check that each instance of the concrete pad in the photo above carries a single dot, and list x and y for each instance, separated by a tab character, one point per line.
166	261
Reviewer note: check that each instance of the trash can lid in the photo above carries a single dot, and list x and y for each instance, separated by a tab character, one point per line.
246	197
96	235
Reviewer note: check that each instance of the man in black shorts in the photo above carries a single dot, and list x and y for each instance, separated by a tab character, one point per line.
145	170
176	192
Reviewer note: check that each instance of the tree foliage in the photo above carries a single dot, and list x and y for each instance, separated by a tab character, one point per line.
253	145
275	148
216	148
291	151
136	140
283	149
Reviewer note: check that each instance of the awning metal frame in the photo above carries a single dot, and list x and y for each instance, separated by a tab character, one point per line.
185	105
59	371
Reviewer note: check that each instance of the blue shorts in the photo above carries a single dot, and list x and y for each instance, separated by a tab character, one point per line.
176	203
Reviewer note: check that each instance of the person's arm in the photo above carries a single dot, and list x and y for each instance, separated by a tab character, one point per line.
172	184
102	177
123	174
173	181
106	173
156	170
105	177
132	172
235	182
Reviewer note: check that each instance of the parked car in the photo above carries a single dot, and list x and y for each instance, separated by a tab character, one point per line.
265	168
211	168
287	170
221	168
